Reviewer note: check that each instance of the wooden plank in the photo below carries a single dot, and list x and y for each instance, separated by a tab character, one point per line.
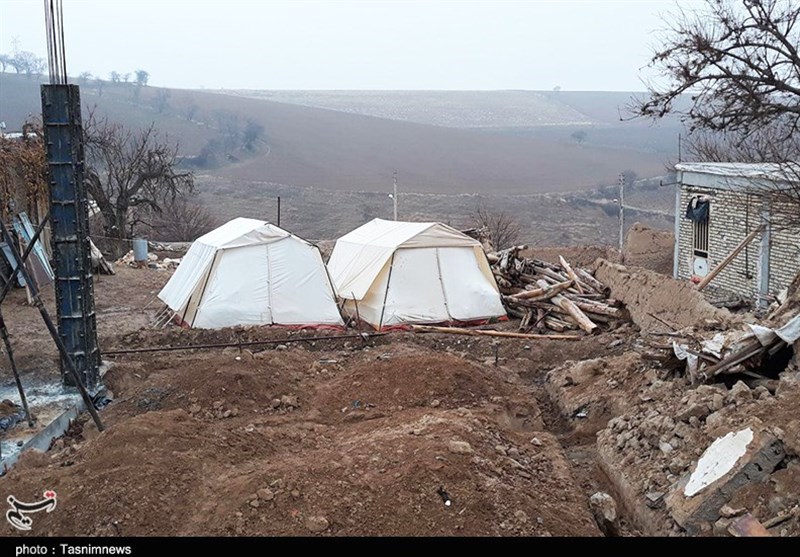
748	526
731	256
489	333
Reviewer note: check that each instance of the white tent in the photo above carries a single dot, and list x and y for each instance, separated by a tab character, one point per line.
249	272
392	272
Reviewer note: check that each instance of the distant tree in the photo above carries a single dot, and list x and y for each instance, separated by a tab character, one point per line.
142	77
578	136
190	110
84	78
126	77
28	63
114	77
502	230
130	174
253	132
5	61
557	89
161	100
630	177
99	85
181	221
228	123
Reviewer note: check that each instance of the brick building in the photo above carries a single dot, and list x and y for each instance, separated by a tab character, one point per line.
728	201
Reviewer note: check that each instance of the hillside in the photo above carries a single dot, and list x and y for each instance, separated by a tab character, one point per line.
335	150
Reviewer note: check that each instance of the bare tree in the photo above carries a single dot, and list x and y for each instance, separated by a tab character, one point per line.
28	63
84	78
126	77
5	61
732	71
161	100
142	77
190	110
579	136
736	62
181	221
130	173
502	229
253	132
114	77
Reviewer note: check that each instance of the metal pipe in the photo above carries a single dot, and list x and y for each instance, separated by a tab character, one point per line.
363	336
34	290
25	255
14	370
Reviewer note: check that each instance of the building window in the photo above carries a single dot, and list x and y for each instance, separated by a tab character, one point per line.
700	238
698	212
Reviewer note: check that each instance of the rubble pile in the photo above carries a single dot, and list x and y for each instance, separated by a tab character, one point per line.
556	297
756	351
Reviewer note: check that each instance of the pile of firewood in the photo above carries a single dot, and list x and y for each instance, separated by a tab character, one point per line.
556	297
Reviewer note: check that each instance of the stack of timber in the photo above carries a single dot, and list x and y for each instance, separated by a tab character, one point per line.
556	297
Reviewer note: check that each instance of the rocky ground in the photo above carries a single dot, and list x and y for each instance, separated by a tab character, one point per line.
405	434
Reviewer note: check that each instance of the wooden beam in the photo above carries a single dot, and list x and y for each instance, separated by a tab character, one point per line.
571	274
488	333
731	256
569	306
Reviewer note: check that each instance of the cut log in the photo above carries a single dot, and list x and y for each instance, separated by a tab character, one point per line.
601	309
557	325
566	304
539	324
543	293
549	273
525	322
570	273
489	333
591	281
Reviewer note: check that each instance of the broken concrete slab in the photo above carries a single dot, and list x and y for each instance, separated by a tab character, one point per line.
728	464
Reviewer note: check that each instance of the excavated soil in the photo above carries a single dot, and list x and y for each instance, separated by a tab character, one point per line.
312	435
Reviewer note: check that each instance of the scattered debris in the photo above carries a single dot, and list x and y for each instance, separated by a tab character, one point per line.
151	263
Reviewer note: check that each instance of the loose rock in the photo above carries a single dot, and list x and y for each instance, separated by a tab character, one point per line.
317	524
459	447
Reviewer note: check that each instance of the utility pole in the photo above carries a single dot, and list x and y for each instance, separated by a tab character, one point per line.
621	211
394	193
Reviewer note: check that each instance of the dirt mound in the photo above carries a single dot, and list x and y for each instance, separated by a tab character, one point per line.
403	377
233	443
649	248
646	293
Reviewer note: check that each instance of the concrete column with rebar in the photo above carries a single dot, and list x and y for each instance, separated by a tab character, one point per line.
61	114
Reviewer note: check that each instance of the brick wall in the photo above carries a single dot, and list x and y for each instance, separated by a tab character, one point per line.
784	254
733	215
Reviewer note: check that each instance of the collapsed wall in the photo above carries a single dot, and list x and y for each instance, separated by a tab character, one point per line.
649	248
646	293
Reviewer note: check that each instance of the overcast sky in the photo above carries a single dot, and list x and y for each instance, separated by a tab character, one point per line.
260	44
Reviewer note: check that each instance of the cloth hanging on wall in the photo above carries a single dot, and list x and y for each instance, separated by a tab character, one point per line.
698	209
